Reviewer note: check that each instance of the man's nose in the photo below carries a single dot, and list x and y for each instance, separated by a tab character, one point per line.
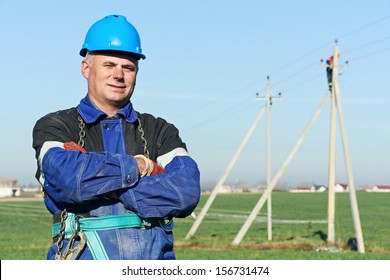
118	73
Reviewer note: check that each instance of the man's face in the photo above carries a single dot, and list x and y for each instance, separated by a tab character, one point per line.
111	80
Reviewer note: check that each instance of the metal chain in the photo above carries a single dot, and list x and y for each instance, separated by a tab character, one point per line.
144	142
81	132
61	235
64	213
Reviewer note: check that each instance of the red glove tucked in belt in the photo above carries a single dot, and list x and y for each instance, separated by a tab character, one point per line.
73	146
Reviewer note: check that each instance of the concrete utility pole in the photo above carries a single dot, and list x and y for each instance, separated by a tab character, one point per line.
215	191
269	98
332	150
336	102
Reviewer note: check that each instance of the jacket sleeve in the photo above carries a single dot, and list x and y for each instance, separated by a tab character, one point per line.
173	194
72	177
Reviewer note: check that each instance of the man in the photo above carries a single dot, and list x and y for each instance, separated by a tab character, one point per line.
329	71
113	178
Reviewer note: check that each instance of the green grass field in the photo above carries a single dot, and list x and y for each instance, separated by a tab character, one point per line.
299	229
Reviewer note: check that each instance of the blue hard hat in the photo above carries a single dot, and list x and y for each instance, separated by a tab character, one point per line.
113	33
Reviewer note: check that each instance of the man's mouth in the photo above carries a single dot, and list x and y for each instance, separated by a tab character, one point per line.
117	86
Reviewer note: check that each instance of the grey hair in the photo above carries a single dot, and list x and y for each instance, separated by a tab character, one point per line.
88	58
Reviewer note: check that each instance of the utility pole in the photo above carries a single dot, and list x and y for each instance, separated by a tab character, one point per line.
215	191
333	67
269	99
336	104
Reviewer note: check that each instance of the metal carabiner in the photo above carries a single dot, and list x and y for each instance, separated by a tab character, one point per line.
73	253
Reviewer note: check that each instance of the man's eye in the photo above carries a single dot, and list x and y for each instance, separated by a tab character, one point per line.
129	68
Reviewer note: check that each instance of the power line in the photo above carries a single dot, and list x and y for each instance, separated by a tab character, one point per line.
219	98
304	82
368	44
301	58
295	73
222	115
227	113
365	27
370	54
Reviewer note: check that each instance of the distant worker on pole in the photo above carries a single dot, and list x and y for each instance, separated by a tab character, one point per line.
329	71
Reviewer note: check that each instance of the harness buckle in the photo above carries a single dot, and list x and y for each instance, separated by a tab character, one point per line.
72	252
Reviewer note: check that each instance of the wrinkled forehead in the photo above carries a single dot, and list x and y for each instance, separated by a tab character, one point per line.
115	55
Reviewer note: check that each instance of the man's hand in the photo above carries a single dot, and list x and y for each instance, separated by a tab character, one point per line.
73	146
148	167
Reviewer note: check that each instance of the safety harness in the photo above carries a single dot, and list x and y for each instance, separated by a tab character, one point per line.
84	231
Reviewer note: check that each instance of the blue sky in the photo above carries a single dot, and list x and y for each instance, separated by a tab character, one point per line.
205	62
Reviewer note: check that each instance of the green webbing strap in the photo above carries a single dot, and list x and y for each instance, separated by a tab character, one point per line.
99	223
90	225
96	246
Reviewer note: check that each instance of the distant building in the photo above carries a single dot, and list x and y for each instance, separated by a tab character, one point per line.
33	189
225	189
9	187
303	189
321	188
341	188
381	188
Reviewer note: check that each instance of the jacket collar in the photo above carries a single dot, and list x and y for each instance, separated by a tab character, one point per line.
90	113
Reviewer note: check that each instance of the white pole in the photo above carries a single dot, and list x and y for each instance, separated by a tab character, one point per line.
275	180
214	193
332	152
269	201
352	193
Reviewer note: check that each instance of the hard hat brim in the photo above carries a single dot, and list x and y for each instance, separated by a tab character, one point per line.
83	53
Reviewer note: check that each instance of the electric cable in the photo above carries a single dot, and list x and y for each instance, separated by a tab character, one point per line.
305	68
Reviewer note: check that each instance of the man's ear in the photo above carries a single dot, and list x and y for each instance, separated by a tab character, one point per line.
85	69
